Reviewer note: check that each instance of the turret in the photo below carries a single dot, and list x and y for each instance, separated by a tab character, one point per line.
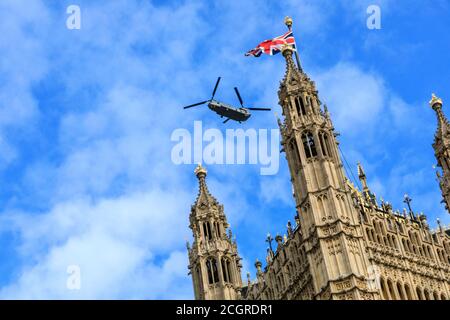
441	148
214	262
320	190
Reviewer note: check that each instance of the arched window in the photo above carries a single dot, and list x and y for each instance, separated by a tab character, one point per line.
213	274
384	292
218	230
207	231
300	106
400	291
430	253
408	292
447	247
309	145
391	290
208	225
400	227
226	269
394	240
230	271
323	139
419	294
368	235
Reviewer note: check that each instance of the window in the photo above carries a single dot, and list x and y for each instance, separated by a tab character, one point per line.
391	290
400	291
226	269
218	229
323	139
300	106
207	231
419	294
213	274
384	292
408	292
309	145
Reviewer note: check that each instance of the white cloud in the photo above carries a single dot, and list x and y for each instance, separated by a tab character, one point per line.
355	98
113	203
114	242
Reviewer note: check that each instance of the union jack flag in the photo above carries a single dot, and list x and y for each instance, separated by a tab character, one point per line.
273	46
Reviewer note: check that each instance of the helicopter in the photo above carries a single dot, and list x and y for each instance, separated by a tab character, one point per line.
228	111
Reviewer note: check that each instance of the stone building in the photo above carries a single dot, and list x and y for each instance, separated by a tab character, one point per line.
345	244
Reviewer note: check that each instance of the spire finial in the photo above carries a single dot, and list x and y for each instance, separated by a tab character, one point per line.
439	224
269	240
361	172
362	178
435	102
288	22
200	171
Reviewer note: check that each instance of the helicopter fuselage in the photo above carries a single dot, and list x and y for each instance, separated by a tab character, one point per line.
228	111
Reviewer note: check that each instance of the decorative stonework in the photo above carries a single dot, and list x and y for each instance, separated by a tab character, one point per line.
346	244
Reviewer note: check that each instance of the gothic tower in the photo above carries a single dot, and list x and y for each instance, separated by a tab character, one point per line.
441	147
214	262
328	218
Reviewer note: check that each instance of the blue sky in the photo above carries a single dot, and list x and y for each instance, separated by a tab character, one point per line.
86	118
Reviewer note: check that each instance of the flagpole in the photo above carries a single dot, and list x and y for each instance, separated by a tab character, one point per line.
288	23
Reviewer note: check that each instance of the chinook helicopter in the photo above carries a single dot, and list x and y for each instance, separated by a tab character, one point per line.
225	110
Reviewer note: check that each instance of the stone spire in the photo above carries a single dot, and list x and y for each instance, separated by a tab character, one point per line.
214	262
204	197
362	176
443	124
368	195
318	180
292	74
441	148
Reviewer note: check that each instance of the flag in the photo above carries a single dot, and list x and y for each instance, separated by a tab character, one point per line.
273	46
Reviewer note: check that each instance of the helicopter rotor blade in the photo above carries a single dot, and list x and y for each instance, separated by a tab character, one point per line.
239	96
195	104
259	109
215	88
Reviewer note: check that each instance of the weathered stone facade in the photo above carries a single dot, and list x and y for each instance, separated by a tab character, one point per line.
214	262
345	244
